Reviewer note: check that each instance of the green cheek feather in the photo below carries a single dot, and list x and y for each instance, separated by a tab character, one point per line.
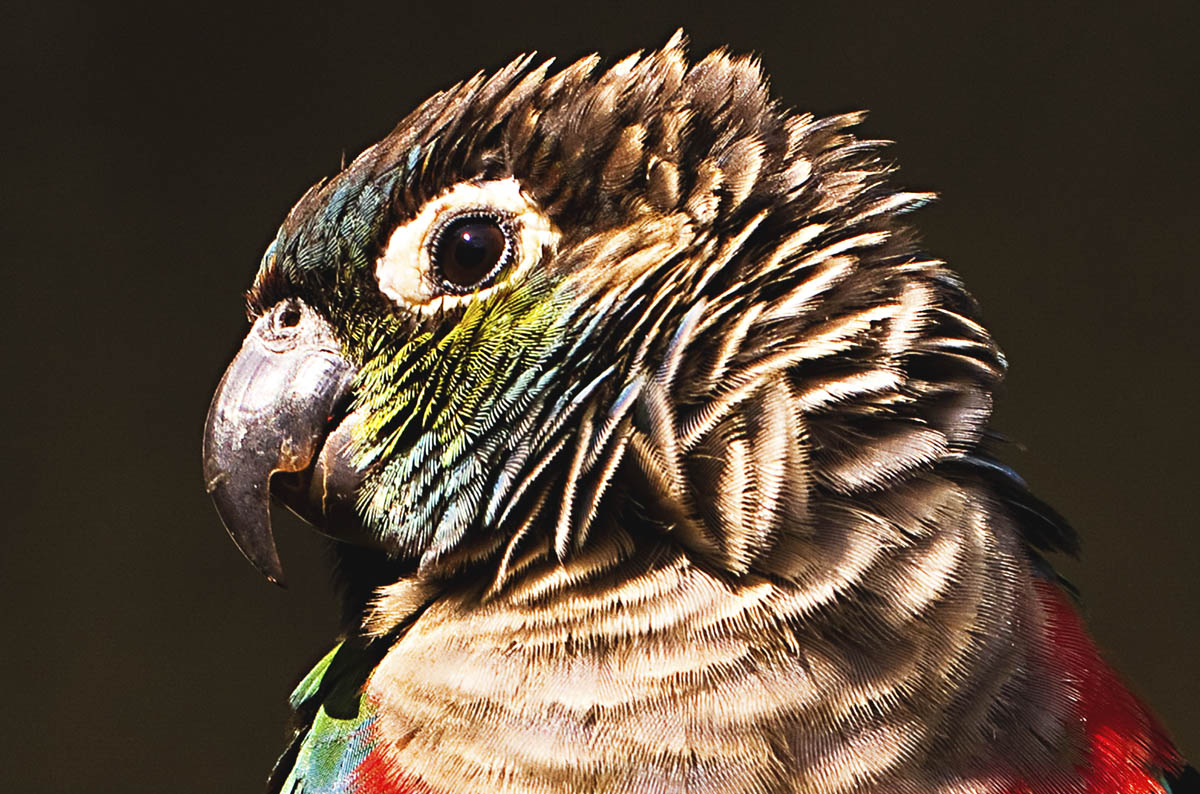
445	412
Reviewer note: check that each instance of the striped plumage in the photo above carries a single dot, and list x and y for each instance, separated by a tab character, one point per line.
697	495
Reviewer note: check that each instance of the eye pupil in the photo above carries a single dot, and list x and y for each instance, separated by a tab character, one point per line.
469	250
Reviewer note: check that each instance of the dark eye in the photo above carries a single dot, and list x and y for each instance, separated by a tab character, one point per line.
470	250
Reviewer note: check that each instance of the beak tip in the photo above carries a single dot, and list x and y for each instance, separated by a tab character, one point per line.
267	563
247	519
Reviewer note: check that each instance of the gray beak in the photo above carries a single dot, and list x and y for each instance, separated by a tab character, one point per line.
275	411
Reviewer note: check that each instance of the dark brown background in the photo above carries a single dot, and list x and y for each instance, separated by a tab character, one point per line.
149	157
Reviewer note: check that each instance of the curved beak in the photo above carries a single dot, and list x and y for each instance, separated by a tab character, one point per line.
277	406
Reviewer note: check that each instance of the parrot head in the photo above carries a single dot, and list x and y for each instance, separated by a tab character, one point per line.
554	312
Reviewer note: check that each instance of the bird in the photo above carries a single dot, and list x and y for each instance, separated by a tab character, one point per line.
656	456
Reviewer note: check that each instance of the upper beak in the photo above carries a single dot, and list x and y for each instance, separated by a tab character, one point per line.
273	412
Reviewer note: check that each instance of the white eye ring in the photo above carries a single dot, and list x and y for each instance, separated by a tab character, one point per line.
406	270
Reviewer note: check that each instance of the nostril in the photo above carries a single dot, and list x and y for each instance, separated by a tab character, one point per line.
289	317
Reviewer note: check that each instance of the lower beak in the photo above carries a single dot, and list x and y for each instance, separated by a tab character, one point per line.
279	410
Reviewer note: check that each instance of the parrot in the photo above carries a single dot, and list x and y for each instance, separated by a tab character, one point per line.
655	455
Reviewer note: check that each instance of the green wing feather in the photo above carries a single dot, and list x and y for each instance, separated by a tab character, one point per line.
336	725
